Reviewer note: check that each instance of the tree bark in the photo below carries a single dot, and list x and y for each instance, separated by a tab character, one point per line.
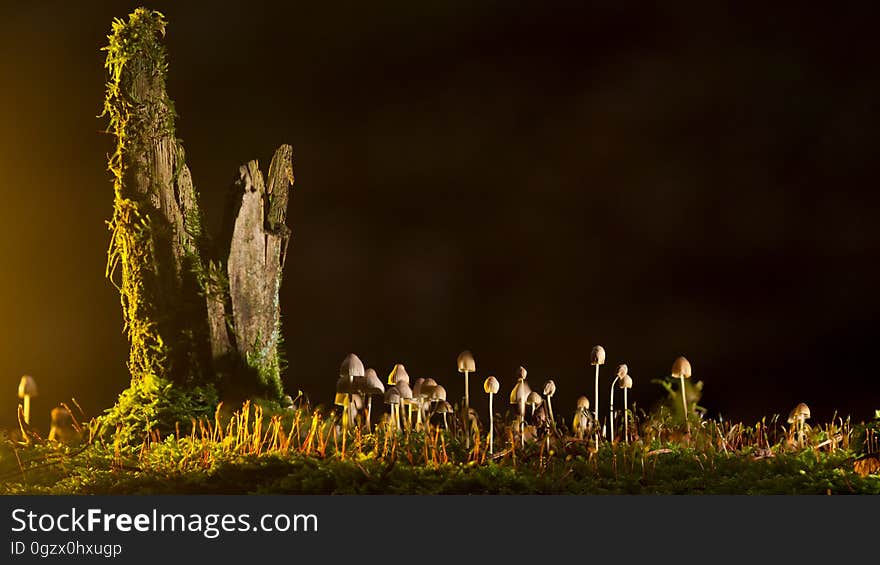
193	318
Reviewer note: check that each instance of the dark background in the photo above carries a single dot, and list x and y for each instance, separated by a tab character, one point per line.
520	179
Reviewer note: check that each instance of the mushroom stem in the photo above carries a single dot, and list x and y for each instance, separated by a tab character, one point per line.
684	405
611	408
445	425
596	408
467	405
522	422
345	403
491	423
625	419
550	410
369	411
27	409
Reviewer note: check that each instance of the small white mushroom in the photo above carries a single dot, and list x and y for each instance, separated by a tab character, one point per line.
491	387
581	417
444	408
398	374
27	389
518	396
798	416
681	369
597	357
626	383
549	391
621	372
466	365
350	369
392	398
372	386
534	400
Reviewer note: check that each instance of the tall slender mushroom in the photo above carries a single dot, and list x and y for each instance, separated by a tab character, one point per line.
27	388
466	365
581	417
626	383
797	416
372	386
621	372
681	369
491	386
549	391
597	357
518	396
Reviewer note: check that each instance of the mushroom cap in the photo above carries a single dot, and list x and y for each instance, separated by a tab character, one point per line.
372	383
801	411
597	355
521	373
626	382
427	389
466	363
406	393
417	387
549	388
534	399
392	395
339	399
681	368
286	401
438	393
491	386
443	407
622	370
61	416
351	367
520	392
583	403
398	374
27	387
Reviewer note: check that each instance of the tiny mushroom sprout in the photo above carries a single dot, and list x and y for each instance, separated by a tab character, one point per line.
581	417
621	373
466	365
392	398
626	383
549	391
518	396
798	415
372	386
681	369
491	387
61	428
27	388
597	357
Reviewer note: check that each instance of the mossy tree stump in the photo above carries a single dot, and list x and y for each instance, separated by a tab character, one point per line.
202	316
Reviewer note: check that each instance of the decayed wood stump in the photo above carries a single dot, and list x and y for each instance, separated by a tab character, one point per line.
198	313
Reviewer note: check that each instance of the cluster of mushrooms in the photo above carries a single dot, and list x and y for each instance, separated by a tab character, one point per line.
423	399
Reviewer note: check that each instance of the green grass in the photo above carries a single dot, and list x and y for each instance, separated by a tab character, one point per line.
297	452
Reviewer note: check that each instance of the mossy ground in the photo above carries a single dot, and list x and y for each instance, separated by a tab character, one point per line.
296	452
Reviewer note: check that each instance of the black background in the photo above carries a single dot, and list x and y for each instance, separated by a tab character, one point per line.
525	180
